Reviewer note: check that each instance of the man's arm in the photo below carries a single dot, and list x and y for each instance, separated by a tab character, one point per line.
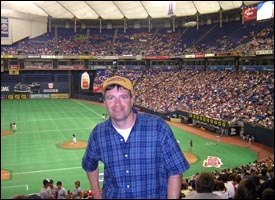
94	183
174	186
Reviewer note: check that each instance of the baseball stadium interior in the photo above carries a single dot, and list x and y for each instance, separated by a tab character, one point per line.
208	65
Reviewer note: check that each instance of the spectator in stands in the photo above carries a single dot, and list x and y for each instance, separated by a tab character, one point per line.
204	187
228	183
45	192
77	193
33	196
269	183
246	190
61	191
236	180
264	175
268	193
19	196
220	189
145	141
53	188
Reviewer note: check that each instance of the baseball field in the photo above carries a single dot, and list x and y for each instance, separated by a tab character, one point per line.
41	146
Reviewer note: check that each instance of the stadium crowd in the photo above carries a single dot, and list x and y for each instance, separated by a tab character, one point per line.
226	183
224	95
161	41
230	183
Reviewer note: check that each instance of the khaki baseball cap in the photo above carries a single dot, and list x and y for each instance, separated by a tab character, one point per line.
122	81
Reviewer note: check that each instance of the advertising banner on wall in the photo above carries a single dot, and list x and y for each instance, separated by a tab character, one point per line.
14	69
5	33
97	89
85	81
250	14
35	88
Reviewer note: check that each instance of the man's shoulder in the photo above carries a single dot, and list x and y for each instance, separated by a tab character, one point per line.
104	124
150	120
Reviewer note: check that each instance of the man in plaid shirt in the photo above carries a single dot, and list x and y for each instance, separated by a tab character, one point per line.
141	156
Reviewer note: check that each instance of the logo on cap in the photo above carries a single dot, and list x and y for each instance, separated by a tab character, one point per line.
124	82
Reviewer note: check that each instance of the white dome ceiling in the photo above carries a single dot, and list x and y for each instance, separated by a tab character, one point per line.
120	9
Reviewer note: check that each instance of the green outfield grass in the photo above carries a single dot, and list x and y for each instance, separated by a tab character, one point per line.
32	153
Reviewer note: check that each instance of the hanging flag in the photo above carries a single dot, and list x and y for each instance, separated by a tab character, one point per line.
171	8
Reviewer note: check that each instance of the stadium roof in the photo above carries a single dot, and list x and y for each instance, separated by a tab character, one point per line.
119	9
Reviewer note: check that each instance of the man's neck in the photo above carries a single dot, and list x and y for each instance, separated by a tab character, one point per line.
128	123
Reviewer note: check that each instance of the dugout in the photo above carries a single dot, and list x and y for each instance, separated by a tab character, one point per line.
262	135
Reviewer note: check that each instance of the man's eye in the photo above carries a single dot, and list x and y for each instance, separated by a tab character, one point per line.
124	97
110	98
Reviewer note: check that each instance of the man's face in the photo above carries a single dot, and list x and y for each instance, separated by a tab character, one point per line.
119	103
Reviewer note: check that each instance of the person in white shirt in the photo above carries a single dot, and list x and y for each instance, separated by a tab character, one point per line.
74	139
61	192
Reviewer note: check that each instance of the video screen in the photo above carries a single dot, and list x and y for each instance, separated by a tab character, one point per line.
265	10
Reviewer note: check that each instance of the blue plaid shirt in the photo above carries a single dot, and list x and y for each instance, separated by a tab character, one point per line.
140	167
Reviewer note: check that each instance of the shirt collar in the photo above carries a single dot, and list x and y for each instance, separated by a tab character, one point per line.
110	125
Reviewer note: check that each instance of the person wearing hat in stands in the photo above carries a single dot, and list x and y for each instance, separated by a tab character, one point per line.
141	156
45	192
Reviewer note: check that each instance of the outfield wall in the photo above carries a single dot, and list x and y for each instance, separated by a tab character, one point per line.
262	135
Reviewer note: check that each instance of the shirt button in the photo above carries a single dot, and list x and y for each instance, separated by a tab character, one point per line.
127	171
121	140
126	155
128	186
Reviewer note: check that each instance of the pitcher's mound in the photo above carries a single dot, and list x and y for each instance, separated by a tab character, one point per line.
71	145
191	158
